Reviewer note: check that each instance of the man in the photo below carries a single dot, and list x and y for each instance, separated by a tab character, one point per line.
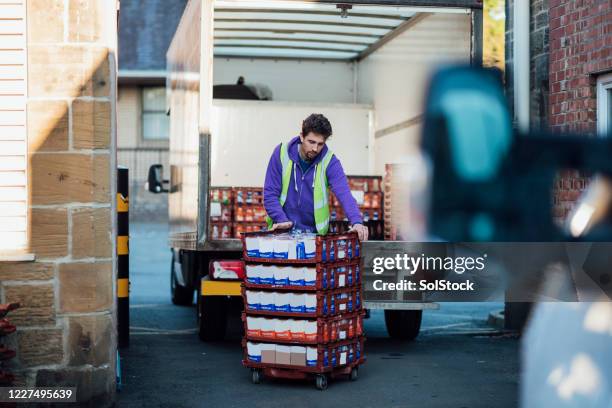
297	178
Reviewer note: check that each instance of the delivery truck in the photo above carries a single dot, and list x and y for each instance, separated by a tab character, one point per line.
242	75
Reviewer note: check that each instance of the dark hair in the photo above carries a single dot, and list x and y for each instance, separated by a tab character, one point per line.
317	123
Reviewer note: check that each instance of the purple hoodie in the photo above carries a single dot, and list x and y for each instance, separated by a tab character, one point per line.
299	206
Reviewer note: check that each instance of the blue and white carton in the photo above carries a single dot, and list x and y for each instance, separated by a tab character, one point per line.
252	246
254	351
266	247
310	276
310	302
253	300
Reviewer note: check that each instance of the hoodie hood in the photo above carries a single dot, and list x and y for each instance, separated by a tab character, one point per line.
294	145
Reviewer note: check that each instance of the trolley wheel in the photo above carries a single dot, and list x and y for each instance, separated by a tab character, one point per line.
354	374
321	382
256	376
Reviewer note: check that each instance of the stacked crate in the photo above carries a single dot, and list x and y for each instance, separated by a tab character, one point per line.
221	214
249	211
303	317
234	210
368	193
406	202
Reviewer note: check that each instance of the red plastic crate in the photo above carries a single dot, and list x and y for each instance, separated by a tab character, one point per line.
348	353
328	249
328	276
330	329
328	303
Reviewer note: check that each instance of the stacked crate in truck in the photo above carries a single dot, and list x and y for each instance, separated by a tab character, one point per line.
368	192
221	217
303	314
249	211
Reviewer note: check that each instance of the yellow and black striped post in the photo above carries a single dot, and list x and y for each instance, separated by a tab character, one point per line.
123	259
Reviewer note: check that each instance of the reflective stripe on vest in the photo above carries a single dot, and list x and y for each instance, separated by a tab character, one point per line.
320	198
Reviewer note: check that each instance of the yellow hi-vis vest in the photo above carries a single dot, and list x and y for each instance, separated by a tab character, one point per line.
320	198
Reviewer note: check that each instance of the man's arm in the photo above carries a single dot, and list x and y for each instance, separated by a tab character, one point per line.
272	188
339	185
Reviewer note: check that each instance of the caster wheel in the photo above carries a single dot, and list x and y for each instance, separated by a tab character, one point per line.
256	376
321	382
354	374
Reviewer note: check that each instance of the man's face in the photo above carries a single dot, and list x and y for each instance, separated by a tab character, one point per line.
311	146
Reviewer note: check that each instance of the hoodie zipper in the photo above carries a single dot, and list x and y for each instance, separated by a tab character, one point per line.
302	183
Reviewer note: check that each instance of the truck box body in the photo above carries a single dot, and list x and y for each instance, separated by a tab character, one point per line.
371	88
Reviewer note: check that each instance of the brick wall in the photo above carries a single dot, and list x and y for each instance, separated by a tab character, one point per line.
580	44
66	324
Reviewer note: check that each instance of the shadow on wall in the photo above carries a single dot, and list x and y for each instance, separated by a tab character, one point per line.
66	333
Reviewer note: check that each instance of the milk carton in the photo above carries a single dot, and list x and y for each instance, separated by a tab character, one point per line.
266	247
310	246
281	275
311	356
281	247
254	351
266	274
310	276
296	276
281	301
253	300
298	328
253	326
266	300
267	328
252	274
282	329
292	248
310	301
297	303
252	246
310	330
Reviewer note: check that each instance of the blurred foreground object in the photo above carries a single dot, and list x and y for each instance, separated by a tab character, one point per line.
592	208
567	356
490	183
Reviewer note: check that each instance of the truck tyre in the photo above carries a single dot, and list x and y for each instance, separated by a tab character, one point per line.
403	324
212	317
181	295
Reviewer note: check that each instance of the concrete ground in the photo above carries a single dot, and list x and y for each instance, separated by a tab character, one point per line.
457	360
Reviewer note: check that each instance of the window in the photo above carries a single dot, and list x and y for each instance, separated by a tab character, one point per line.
13	143
155	122
604	105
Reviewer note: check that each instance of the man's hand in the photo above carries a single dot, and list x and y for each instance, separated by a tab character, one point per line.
282	226
361	230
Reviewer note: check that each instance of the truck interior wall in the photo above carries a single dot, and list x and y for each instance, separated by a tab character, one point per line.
394	78
291	80
246	132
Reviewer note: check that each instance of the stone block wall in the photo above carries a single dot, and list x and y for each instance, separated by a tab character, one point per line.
66	326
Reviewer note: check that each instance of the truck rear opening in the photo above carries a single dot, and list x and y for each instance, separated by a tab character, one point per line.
365	67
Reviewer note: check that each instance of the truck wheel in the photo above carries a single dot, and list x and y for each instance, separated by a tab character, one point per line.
181	295
212	317
403	324
354	374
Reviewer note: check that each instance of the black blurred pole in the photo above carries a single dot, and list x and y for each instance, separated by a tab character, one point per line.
123	259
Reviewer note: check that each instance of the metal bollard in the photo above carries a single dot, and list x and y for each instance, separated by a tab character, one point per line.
123	259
